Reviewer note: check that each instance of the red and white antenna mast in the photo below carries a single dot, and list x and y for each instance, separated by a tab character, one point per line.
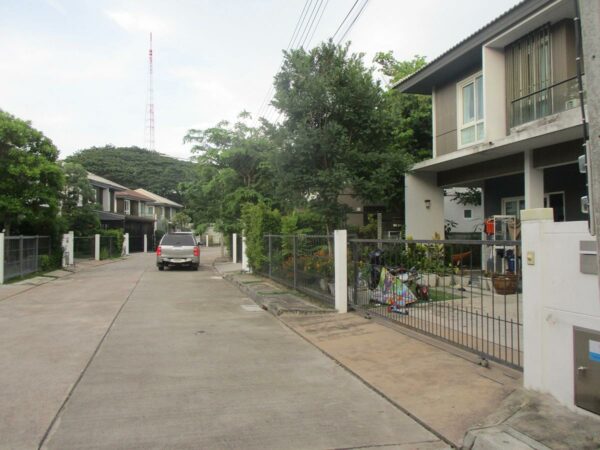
149	130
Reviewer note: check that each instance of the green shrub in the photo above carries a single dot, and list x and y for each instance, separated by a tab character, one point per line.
117	243
258	220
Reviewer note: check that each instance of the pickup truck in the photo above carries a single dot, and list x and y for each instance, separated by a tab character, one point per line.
178	249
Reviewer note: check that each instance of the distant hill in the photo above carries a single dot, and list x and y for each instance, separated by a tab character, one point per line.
136	167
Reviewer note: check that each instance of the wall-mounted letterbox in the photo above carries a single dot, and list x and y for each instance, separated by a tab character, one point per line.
586	346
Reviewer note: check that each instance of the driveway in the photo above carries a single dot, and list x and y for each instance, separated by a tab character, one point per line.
125	356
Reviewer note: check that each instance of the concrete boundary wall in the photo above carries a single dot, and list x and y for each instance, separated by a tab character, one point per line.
557	297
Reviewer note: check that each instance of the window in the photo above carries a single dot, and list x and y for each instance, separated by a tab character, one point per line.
150	210
512	206
470	111
127	206
467	213
556	201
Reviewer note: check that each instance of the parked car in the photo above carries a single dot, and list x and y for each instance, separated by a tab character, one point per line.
178	249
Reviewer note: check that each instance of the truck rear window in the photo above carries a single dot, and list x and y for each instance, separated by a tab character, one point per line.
178	239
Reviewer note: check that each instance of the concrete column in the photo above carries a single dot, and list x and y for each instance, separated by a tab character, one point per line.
97	247
340	244
534	183
126	244
145	243
1	258
245	266
234	247
379	225
424	206
105	199
207	238
533	256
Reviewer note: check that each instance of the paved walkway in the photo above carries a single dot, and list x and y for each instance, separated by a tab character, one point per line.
483	408
125	356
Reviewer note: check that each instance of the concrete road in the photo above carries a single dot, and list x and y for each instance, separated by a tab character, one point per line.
126	357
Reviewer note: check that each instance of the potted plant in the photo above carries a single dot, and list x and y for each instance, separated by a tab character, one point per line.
505	284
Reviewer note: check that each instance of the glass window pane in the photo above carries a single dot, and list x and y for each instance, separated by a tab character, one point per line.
468	103
479	96
480	134
467	135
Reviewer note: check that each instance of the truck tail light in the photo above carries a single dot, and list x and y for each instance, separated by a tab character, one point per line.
196	251
158	251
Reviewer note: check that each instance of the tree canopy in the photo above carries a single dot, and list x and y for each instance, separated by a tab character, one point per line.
135	167
30	179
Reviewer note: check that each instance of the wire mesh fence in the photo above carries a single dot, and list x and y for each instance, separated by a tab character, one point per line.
465	292
84	247
109	247
301	262
24	255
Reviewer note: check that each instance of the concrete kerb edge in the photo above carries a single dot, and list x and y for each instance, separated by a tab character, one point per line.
252	295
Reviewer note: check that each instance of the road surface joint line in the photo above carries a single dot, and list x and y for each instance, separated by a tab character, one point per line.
80	377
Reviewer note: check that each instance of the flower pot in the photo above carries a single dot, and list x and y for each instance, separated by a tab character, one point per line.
505	284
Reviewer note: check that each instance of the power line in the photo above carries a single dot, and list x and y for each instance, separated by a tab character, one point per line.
313	16
318	22
344	21
354	21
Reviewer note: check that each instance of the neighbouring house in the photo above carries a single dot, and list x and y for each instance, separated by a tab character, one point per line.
133	206
106	197
506	119
162	208
360	212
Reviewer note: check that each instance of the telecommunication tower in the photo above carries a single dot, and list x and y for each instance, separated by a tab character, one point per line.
149	120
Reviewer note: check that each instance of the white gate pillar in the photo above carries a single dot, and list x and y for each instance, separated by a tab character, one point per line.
145	243
340	245
126	244
207	243
1	258
245	267
97	247
234	247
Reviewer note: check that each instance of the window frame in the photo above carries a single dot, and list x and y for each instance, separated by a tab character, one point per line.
465	211
518	199
472	79
127	206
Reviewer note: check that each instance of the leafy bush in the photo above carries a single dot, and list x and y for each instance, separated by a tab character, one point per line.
258	220
117	243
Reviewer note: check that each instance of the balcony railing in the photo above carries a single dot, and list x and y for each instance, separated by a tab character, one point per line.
551	100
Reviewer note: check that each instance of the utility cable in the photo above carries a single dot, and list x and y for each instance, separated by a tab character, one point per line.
354	21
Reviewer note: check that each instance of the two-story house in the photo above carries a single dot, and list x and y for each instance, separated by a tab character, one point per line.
161	208
506	118
106	198
133	206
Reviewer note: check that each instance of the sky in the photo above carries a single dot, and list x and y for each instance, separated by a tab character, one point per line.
78	69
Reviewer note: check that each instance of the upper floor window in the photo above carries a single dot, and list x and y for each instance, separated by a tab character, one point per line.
470	110
127	206
150	210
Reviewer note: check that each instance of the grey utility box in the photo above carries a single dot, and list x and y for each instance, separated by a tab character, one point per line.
586	346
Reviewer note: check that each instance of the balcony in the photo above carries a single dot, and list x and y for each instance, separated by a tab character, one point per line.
554	99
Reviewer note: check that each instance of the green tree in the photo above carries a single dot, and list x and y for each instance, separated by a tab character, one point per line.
136	167
233	169
30	179
336	131
79	208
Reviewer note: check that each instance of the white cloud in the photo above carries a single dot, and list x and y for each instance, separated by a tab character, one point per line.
137	22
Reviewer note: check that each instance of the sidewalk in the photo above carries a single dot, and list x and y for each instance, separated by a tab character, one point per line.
442	387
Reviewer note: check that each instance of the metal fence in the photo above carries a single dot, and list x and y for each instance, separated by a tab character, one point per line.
464	292
84	247
24	255
301	262
109	247
136	244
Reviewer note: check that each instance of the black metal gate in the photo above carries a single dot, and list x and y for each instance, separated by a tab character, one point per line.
465	292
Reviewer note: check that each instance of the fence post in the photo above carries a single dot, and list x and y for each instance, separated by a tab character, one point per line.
234	247
37	251
340	245
270	254
1	258
126	244
207	243
145	243
245	267
97	247
21	255
294	258
355	269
